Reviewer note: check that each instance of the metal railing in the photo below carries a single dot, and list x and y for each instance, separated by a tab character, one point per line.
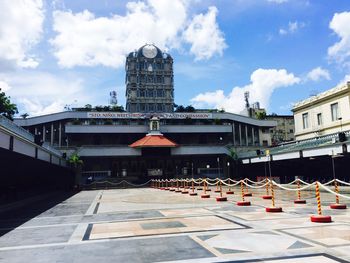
6	123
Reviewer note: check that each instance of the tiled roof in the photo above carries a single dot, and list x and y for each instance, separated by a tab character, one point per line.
153	141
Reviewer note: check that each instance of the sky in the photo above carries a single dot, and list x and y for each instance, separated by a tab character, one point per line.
60	53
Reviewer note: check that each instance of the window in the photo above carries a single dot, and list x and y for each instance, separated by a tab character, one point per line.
334	111
291	131
319	118
305	120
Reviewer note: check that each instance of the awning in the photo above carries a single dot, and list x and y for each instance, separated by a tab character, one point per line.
153	141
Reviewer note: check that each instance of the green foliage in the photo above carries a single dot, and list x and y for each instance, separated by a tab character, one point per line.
181	108
260	115
108	122
76	122
217	121
7	109
75	160
233	154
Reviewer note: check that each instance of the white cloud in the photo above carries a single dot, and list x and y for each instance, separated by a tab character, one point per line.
204	35
86	40
4	86
292	28
40	93
277	1
21	28
345	79
317	74
340	51
263	83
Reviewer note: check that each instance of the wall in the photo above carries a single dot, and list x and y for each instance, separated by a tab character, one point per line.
328	126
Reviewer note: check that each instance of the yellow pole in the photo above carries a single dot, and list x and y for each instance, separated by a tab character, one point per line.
273	194
299	195
337	191
220	188
242	190
318	198
192	185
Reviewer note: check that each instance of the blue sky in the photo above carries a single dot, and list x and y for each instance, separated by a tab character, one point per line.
57	53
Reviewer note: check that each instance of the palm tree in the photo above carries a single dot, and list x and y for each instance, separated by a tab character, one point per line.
77	164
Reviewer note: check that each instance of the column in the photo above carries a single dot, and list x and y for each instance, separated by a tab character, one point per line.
51	139
253	136
44	133
246	135
59	134
233	133
240	134
36	130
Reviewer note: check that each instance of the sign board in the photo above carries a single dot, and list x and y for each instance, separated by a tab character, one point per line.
127	115
155	172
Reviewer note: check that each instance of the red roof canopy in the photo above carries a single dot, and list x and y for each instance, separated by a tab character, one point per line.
153	141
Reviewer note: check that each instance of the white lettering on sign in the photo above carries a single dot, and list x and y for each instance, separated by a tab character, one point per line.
125	115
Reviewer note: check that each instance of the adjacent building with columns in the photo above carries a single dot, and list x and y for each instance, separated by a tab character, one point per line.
323	114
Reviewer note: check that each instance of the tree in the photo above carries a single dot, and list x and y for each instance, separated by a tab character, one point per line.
180	109
190	108
75	160
7	109
24	115
260	115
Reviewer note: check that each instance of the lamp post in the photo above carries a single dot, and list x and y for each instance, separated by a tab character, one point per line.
228	169
341	124
218	160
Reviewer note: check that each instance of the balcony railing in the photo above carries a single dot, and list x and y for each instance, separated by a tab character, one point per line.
6	123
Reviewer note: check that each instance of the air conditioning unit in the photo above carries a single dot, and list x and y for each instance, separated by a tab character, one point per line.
341	136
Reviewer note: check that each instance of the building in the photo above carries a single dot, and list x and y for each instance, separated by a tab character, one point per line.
149	80
325	113
284	130
197	143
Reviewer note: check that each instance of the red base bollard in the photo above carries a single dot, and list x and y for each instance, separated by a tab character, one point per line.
208	190
337	206
166	188
178	191
172	190
184	192
217	191
199	188
273	209
267	197
247	194
221	199
243	203
229	192
321	219
298	201
192	194
205	196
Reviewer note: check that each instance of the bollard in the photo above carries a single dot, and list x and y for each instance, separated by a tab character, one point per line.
217	190
337	205
243	202
178	186
267	196
184	191
221	198
166	185
319	218
229	192
299	200
205	195
193	193
273	209
246	193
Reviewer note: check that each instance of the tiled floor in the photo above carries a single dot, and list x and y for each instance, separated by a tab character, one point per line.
151	225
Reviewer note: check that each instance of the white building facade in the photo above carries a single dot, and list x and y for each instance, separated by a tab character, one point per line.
323	114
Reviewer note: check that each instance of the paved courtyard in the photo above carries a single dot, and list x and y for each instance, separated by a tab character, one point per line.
150	225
